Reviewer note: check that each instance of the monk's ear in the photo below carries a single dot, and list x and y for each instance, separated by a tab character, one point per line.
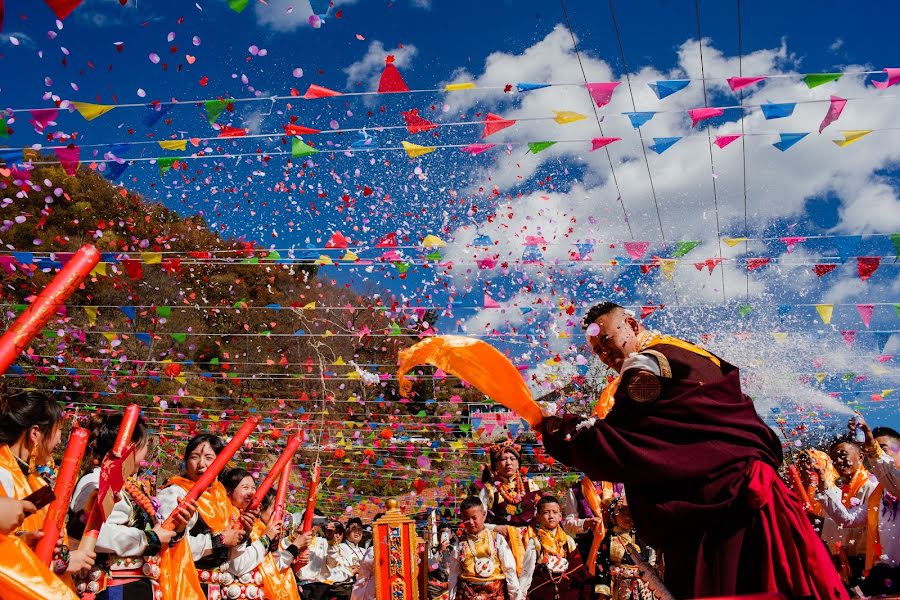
633	323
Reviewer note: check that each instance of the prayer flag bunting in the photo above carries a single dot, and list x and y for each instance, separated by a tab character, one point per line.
414	150
432	241
790	242
475	149
165	164
455	87
683	248
739	83
834	111
415	123
816	79
68	158
62	8
660	145
865	313
490	302
566	116
825	311
4	129
528	87
636	250
238	6
214	108
301	148
129	311
663	89
778	111
732	242
602	92
600	142
895	240
317	91
788	140
701	114
173	144
226	132
756	263
848	336
867	265
893	78
724	140
91	111
639	118
300	130
535	147
823	269
155	113
494	123
391	80
851	136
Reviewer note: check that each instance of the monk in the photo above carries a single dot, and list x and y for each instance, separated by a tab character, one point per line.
698	464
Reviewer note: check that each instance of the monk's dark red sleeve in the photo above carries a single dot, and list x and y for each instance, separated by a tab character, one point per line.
589	445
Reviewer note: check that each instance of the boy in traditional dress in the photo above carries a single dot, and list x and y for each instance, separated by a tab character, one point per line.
552	569
481	566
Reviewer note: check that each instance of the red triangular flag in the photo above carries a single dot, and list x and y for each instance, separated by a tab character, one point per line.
599	142
820	270
646	311
755	263
494	123
62	8
337	241
848	336
226	131
300	130
866	265
317	91
133	267
391	80
388	241
415	123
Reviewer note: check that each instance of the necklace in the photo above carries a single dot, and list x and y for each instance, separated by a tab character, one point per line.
140	498
513	491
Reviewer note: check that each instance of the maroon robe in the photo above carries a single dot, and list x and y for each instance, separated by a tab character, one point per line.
698	466
561	586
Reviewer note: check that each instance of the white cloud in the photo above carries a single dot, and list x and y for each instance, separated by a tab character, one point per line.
836	45
363	75
16	38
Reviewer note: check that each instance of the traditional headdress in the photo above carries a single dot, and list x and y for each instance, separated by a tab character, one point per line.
497	450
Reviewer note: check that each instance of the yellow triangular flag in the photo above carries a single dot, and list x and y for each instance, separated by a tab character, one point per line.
780	336
455	87
339	362
91	314
433	241
310	305
91	111
352	375
110	336
350	256
173	144
825	311
151	258
820	377
100	269
667	265
851	136
414	150
732	242
567	116
324	260
886	393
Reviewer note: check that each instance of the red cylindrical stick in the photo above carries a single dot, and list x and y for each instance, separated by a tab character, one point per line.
65	486
281	493
126	429
799	487
289	450
215	468
30	322
311	500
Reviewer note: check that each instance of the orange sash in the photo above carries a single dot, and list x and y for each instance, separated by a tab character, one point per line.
23	487
595	503
873	538
178	577
850	491
213	505
279	585
24	577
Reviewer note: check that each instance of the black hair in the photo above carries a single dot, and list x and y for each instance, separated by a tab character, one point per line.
843	440
268	500
443	526
548	499
104	431
354	521
233	478
19	412
597	311
470	502
215	442
886	431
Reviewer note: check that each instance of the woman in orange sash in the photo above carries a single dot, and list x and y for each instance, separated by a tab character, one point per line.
30	429
278	578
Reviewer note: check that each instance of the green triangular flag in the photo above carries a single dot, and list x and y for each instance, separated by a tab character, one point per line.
273	255
535	147
895	239
178	337
683	248
164	311
817	79
300	148
436	255
4	132
238	6
395	329
165	164
402	267
897	310
744	310
214	108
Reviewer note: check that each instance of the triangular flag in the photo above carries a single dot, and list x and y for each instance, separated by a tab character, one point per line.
129	311
68	158
91	111
638	118
528	87
683	248
636	250
238	6
790	242
391	80
62	8
475	149
388	241
895	240
865	313
226	131
777	111
301	148
822	269
825	311
739	83
151	258
456	87
414	150
848	336
724	140
337	240
432	241
881	340
602	92
535	147
817	79
490	302
415	123
660	145
494	123
173	144
350	256
744	310
893	78
667	265
867	265
317	91
300	130
701	114
214	108
663	89
851	136
566	116
732	242
600	142
788	140
834	111
91	312
756	263
4	129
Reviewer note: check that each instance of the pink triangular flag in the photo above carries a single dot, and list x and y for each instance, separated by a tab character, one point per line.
848	336
68	158
701	114
893	79
834	111
43	117
724	140
599	142
865	313
636	250
490	302
866	265
494	123
602	92
739	83
474	149
790	242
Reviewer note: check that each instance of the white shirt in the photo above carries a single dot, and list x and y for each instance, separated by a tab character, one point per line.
315	570
571	523
887	473
342	559
507	565
856	517
851	537
86	486
364	588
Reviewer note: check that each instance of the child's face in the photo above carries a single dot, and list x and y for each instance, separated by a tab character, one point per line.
623	516
473	520
550	515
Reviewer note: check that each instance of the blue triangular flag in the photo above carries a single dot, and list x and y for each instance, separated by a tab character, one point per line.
783	309
514	427
525	310
528	87
115	169
129	311
24	258
881	340
639	118
482	240
156	113
110	257
663	89
10	157
143	338
660	145
788	140
532	254
777	111
365	141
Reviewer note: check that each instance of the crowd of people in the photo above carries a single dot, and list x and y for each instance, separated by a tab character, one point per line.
682	483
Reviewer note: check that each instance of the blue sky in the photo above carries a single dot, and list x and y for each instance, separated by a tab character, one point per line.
815	189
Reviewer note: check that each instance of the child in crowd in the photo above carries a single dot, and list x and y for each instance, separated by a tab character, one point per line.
620	573
552	568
